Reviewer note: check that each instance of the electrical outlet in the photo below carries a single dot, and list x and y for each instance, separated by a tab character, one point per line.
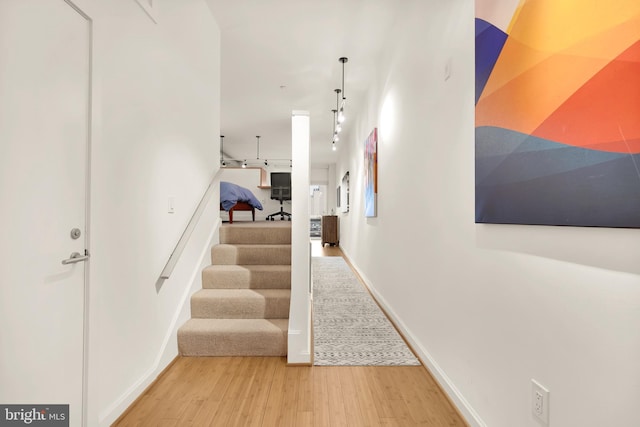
540	402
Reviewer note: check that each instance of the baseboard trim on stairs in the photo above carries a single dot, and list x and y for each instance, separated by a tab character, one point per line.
151	384
451	392
168	351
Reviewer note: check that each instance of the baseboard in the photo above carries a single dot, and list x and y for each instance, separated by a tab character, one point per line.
166	368
169	349
445	383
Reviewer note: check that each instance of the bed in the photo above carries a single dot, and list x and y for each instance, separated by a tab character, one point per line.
236	198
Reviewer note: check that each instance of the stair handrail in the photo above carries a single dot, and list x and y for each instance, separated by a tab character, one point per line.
186	234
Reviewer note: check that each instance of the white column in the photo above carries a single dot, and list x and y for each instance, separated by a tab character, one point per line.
299	350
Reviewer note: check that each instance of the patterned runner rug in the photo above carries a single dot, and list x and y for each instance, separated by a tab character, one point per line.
349	327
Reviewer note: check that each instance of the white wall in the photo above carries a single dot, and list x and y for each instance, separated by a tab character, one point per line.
156	135
489	307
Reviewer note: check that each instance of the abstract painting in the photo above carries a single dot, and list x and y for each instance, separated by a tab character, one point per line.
557	134
371	174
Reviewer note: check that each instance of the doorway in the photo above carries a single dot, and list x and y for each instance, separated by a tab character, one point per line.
45	81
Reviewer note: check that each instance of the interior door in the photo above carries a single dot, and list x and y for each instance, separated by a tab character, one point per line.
44	139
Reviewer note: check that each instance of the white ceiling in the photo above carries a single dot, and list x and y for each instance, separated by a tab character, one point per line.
282	55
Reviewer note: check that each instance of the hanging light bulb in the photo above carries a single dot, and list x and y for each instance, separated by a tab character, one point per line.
334	146
333	128
244	165
336	138
338	128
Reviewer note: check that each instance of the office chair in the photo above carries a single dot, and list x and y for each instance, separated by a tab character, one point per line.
280	190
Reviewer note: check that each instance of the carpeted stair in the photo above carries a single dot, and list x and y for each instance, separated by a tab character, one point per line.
243	308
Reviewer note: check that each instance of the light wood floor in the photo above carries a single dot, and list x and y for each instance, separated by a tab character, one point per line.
264	391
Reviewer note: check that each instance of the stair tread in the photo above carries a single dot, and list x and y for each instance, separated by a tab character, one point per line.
234	325
255	234
256	245
234	276
233	337
251	254
251	267
243	293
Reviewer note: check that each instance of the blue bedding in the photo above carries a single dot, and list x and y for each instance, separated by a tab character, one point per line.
230	194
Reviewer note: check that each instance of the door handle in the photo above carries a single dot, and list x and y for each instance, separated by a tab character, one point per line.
75	257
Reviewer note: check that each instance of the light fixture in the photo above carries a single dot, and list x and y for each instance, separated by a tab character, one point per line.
222	162
334	128
338	114
244	165
257	147
341	116
266	163
339	109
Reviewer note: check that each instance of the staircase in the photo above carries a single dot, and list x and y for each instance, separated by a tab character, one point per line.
243	308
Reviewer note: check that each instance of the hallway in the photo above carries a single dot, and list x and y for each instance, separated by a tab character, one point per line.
264	391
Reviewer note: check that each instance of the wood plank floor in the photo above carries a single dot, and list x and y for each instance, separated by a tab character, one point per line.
264	391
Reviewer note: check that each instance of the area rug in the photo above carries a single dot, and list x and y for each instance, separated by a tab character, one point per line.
349	327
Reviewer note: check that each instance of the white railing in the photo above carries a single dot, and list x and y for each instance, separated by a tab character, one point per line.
186	234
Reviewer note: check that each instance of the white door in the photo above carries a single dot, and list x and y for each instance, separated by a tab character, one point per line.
44	139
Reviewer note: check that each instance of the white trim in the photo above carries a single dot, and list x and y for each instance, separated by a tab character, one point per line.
150	9
299	336
456	397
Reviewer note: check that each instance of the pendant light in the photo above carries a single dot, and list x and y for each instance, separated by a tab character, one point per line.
335	131
222	162
341	116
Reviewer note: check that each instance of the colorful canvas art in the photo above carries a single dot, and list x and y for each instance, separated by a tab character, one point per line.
558	112
371	174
